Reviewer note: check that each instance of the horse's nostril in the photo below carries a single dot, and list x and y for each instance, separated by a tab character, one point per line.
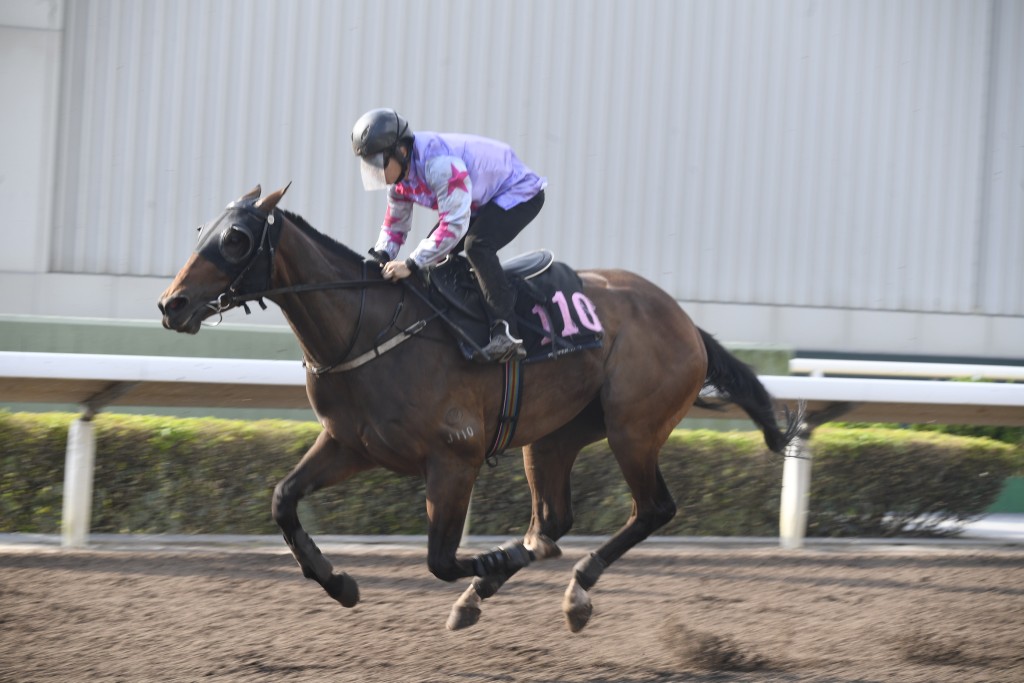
173	305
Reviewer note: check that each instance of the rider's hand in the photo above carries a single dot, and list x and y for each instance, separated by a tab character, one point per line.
380	256
396	270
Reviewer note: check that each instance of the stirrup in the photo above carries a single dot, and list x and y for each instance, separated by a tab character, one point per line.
502	347
508	331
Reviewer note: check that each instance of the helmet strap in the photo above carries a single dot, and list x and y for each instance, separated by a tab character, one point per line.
403	160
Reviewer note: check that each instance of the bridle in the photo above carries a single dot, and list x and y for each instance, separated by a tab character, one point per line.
244	272
231	297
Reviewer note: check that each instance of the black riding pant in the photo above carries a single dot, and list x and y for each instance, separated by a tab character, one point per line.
491	229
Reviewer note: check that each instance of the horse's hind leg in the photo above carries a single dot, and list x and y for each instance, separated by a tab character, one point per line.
325	464
548	464
651	382
653	507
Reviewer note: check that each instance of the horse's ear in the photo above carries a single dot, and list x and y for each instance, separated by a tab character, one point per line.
269	202
249	197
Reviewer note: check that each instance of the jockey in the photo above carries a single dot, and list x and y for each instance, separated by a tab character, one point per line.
483	194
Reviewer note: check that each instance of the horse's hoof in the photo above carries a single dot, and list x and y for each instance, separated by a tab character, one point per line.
465	611
462	616
578	617
577	607
343	588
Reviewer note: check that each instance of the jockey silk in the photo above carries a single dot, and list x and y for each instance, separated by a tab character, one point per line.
454	174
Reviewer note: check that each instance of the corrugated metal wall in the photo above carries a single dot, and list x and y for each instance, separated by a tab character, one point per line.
1000	266
830	154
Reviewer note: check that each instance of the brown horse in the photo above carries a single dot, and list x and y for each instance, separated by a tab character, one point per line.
421	408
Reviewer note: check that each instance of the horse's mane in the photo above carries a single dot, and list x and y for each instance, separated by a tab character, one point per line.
320	238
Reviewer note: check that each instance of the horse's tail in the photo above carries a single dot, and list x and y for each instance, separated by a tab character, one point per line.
737	383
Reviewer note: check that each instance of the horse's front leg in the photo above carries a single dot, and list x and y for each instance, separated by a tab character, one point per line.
493	570
547	464
323	465
450	479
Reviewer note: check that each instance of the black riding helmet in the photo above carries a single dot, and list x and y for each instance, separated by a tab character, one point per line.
375	139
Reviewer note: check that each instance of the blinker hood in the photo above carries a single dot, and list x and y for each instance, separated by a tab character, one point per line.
219	244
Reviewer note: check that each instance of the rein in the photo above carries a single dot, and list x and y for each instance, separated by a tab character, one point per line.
231	298
340	284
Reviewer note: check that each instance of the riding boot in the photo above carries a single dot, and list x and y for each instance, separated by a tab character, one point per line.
504	345
499	302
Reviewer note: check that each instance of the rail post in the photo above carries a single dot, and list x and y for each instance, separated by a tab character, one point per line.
79	460
796	476
796	490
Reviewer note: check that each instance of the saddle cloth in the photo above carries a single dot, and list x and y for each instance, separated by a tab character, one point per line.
554	316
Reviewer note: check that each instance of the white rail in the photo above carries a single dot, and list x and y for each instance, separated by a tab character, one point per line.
96	381
821	367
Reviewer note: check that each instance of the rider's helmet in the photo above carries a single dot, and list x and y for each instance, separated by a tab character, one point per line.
375	139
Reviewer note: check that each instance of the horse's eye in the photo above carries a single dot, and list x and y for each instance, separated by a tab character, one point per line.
235	244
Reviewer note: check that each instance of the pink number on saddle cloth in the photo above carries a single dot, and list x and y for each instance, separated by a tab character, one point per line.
586	315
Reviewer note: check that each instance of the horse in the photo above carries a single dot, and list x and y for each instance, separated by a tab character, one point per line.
390	389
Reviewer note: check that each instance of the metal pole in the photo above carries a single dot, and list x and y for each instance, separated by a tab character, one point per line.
78	480
796	490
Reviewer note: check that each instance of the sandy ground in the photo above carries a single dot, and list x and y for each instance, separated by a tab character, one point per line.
666	612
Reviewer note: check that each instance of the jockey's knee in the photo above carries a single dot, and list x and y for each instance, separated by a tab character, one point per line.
474	245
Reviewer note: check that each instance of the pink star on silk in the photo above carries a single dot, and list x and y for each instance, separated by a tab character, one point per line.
442	233
458	180
389	220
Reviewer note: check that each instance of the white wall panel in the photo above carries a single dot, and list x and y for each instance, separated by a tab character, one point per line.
1000	269
849	155
29	80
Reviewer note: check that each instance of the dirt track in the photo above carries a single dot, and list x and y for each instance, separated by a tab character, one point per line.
661	614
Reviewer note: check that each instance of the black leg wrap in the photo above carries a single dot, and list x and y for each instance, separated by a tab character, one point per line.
485	587
503	560
588	570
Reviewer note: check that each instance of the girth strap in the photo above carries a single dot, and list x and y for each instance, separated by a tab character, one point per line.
510	403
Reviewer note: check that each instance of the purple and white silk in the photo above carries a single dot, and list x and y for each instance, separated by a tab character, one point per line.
454	174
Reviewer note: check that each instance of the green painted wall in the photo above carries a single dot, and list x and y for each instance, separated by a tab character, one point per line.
1011	499
143	338
766	359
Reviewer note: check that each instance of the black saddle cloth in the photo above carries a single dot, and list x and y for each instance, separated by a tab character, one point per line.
555	317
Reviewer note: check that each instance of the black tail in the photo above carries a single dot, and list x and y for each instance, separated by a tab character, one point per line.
737	383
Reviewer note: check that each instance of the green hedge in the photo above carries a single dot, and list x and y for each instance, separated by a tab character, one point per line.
1011	435
168	475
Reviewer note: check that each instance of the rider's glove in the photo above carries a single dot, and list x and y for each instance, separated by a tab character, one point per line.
380	256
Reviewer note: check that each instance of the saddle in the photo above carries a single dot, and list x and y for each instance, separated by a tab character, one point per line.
554	316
